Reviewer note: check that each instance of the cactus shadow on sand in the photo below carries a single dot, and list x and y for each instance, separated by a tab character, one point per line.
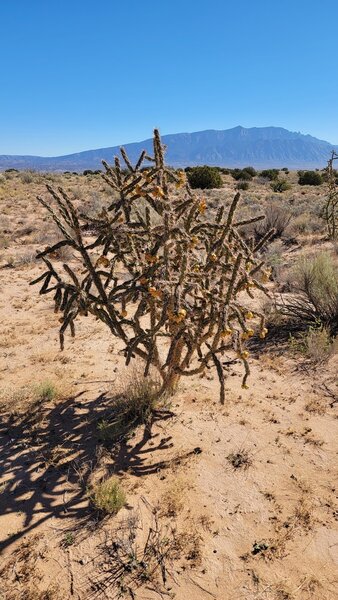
49	456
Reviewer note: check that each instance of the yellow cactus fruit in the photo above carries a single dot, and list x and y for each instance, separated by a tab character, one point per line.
250	333
139	190
157	192
155	293
266	274
243	355
150	258
249	315
202	206
102	261
245	386
177	317
213	257
263	333
227	331
181	179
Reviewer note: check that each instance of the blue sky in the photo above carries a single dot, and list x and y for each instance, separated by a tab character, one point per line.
80	74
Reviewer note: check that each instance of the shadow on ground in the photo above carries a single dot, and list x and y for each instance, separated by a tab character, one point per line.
48	456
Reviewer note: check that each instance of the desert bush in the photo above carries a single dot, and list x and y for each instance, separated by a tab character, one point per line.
251	171
314	282
26	258
309	178
91	172
107	496
204	178
242	185
241	174
163	276
305	223
271	174
319	345
93	204
315	343
280	185
276	218
26	177
274	257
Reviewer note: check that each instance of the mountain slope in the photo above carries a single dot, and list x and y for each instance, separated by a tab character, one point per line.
257	146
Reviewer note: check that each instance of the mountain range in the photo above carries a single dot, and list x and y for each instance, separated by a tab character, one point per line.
260	147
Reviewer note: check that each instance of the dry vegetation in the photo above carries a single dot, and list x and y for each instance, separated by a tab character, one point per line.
106	493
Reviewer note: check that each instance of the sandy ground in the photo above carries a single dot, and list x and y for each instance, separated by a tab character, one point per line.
236	501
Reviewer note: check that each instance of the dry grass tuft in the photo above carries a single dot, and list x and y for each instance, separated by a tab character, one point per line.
173	500
107	496
240	459
135	405
132	563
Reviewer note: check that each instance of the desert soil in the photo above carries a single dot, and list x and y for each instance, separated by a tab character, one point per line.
236	501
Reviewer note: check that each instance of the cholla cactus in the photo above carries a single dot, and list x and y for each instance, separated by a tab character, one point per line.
331	206
165	277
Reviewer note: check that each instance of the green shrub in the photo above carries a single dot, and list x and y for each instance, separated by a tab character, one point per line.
107	496
241	174
251	171
309	178
204	177
46	391
280	185
242	185
318	344
271	174
315	343
90	172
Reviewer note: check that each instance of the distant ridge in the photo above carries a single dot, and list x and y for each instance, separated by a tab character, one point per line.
259	147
